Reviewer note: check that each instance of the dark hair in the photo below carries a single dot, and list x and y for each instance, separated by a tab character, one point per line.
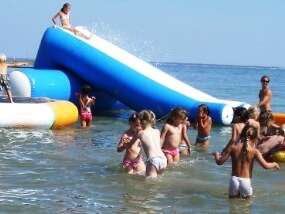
175	113
239	115
204	108
85	90
133	117
65	5
265	77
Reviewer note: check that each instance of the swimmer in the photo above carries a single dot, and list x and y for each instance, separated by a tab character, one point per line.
132	162
184	149
4	80
150	140
64	16
204	125
172	134
85	103
243	156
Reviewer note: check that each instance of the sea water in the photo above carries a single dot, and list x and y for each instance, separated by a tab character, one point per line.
78	170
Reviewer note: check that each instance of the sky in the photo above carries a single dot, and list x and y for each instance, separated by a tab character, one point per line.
190	31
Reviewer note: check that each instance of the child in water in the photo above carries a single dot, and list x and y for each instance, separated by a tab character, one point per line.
64	16
204	125
132	161
183	146
4	81
172	134
243	155
150	141
85	103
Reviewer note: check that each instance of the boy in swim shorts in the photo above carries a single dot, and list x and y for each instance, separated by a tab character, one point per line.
243	155
4	80
132	162
204	125
172	134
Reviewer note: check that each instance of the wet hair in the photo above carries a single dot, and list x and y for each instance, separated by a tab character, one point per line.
239	114
264	77
146	117
3	58
204	108
177	113
65	5
133	117
85	90
249	132
265	118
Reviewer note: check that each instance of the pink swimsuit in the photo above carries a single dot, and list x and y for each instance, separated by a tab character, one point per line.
131	164
86	116
172	152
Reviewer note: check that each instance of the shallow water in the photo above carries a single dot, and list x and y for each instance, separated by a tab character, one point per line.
78	171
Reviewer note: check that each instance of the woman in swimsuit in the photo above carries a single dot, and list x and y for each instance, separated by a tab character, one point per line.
64	16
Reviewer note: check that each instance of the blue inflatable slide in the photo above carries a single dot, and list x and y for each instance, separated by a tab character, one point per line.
65	61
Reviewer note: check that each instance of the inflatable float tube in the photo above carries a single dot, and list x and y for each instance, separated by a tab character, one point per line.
125	77
279	156
56	84
37	113
279	118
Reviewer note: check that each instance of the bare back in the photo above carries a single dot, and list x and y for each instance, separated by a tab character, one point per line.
150	139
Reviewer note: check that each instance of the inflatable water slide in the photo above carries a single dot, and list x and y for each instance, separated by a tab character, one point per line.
65	61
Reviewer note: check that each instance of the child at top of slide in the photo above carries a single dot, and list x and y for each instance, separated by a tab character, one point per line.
243	155
132	161
64	16
85	103
204	125
4	81
172	134
150	141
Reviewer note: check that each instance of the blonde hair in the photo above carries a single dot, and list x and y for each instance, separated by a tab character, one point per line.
249	132
252	112
147	118
3	58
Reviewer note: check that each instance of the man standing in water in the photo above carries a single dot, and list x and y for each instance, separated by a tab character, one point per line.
265	95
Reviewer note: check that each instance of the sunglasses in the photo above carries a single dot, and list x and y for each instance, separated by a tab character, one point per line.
267	81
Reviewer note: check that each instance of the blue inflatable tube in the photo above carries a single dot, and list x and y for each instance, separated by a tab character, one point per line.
54	84
125	77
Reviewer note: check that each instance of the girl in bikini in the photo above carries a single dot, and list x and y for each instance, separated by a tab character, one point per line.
173	132
132	162
64	16
85	103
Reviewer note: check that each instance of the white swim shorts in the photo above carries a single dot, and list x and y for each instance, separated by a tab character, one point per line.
240	187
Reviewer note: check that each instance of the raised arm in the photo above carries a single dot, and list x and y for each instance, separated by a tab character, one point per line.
221	158
163	134
122	143
234	138
264	163
17	64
